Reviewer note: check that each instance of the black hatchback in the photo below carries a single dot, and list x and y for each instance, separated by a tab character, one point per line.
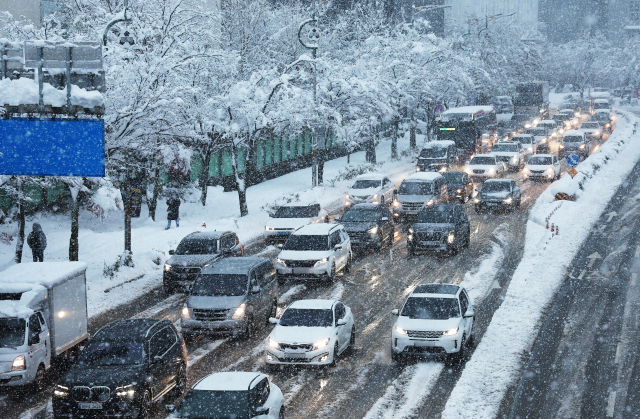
441	228
368	225
127	366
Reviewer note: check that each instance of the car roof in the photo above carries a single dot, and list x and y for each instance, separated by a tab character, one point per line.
485	155
543	155
423	176
454	172
498	180
441	290
469	109
206	235
520	136
601	101
235	265
547	121
298	204
504	142
318	229
314	304
573	132
371	176
128	330
445	206
440	144
366	207
229	381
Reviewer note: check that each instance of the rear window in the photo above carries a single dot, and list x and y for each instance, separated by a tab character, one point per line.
482	161
572	139
539	161
366	184
295	212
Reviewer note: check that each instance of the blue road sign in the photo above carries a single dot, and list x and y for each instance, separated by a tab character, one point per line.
573	160
51	148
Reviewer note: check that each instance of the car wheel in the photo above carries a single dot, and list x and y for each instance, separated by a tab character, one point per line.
332	275
334	360
352	339
38	382
458	357
396	357
471	337
411	250
281	414
181	383
250	330
281	280
347	267
274	310
145	405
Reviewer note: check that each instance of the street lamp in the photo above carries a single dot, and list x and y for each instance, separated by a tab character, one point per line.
121	17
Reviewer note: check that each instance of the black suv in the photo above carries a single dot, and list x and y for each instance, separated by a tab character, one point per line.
126	366
368	225
440	227
194	251
459	185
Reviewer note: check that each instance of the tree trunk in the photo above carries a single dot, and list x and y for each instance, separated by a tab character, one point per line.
20	241
394	139
157	189
372	150
203	179
240	183
412	134
74	247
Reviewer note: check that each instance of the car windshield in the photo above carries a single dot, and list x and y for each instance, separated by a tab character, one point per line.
523	140
482	161
294	212
306	242
453	177
445	117
203	404
435	216
197	247
366	184
509	148
496	187
305	317
431	308
590	125
600	106
415	188
360	216
537	131
12	333
601	117
561	117
100	354
433	153
539	161
572	139
220	284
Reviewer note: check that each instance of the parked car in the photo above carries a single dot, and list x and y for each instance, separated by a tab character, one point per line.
315	251
459	185
574	142
542	166
231	296
485	166
372	188
368	226
527	141
127	366
311	332
434	319
510	153
418	190
437	156
592	130
194	251
231	395
291	216
440	227
498	194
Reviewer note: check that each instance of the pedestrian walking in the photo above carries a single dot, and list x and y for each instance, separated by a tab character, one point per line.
37	241
173	211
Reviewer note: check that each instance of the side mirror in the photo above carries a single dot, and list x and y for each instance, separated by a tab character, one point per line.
336	218
271	215
384	219
341	322
337	247
259	411
171	252
273	320
395	312
280	246
469	313
255	290
169	408
34	339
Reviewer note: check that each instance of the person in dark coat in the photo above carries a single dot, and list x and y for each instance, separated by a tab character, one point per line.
173	211
37	241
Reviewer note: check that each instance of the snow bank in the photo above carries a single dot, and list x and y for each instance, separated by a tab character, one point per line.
25	92
498	360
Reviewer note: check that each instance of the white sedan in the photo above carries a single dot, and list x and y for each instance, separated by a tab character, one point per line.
291	216
311	332
370	188
542	166
485	166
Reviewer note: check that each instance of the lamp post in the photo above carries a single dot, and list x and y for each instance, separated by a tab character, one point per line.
122	18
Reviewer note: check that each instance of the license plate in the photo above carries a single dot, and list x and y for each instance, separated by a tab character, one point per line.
90	406
284	233
492	204
429	243
423	343
294	355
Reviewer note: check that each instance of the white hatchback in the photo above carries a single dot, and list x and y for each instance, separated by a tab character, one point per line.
485	166
311	332
370	188
542	166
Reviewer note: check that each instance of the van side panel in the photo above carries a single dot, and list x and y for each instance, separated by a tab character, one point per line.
69	314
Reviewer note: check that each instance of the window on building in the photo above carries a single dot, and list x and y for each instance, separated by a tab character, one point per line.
277	150
260	154
268	152
214	165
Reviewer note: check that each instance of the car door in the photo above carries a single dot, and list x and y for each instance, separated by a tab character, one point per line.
38	351
343	240
268	288
465	304
158	374
343	332
515	191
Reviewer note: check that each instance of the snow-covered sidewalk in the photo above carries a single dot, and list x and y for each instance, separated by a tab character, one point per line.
498	360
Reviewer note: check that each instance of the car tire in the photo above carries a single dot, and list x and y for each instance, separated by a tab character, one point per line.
39	381
347	267
334	360
396	357
281	413
472	336
251	327
281	280
273	312
145	405
181	383
352	338
458	357
411	251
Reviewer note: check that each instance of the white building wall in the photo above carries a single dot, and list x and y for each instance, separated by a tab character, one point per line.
463	12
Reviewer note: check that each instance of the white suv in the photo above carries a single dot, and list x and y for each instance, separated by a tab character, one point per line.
315	251
435	318
291	216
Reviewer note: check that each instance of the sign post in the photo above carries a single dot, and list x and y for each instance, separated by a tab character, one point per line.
573	160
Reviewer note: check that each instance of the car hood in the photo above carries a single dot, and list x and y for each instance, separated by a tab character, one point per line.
428	325
539	167
589	130
432	227
357	227
112	376
291	223
481	166
294	334
304	254
494	195
454	186
213	302
505	153
191	260
414	198
363	193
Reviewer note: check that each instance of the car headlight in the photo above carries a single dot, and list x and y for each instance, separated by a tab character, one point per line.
550	170
275	345
410	231
581	147
396	203
525	170
400	330
450	332
347	196
373	230
561	146
125	391
417	169
508	200
491	171
374	196
596	133
60	391
321	261
167	268
239	311
429	202
281	262
514	159
19	364
476	200
321	344
607	126
185	312
468	170
458	190
530	148
527	125
268	228
451	238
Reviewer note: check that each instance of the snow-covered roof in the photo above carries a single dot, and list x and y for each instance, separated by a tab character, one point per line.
423	176
47	274
601	101
600	94
31	296
313	304
547	121
24	91
440	144
543	155
573	132
469	109
606	111
519	136
485	155
229	381
371	176
500	180
441	290
298	204
318	229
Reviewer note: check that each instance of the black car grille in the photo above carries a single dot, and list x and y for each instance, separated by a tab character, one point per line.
283	229
186	270
423	334
91	394
209	315
502	158
296	346
301	263
432	237
478	171
537	172
412	206
358	235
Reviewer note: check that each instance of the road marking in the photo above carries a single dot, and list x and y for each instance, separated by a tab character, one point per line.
638	252
618	352
633	279
627	310
584	271
593	258
611	215
611	404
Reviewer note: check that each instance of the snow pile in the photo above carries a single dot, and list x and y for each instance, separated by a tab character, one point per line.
23	308
498	359
25	92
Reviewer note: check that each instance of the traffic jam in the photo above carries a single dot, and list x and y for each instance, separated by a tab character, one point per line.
330	301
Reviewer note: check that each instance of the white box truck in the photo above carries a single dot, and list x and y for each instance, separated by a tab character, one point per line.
43	316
